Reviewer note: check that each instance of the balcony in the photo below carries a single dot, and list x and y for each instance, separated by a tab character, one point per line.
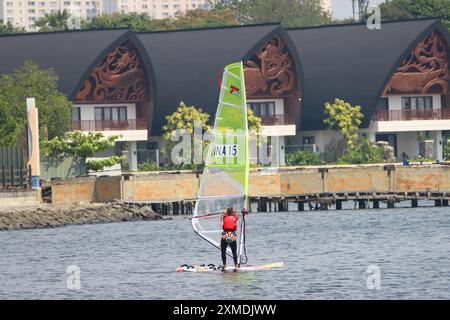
110	125
278	125
406	115
277	120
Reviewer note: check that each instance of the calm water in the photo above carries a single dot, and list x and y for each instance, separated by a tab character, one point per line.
326	255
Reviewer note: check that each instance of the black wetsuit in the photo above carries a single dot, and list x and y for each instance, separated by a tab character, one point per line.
233	247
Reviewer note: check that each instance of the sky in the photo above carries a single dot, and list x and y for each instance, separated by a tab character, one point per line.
343	8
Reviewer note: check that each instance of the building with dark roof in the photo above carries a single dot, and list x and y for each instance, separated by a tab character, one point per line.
128	82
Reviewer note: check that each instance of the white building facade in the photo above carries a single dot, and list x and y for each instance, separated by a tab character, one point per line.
25	13
155	9
327	5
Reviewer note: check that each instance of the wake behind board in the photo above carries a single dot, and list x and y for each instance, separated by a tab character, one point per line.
212	268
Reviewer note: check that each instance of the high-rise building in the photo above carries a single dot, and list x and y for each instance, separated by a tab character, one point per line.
156	9
327	5
1	10
25	13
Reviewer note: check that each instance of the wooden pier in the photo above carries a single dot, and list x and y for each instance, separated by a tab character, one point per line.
312	202
274	189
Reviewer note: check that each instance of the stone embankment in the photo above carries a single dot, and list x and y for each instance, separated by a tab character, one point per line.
51	215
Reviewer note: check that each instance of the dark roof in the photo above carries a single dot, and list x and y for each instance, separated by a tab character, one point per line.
353	63
187	64
349	62
71	54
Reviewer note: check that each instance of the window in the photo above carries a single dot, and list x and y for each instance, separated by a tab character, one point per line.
262	109
417	103
383	104
110	117
76	116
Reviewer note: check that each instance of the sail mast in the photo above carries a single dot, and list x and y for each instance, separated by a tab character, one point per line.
247	167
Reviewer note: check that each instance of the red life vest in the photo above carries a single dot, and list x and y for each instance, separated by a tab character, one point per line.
230	222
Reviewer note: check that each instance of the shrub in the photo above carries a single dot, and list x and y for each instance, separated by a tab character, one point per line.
447	151
98	165
148	166
363	152
303	158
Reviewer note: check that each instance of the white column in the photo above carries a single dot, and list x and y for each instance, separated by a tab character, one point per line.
438	146
282	151
132	155
276	149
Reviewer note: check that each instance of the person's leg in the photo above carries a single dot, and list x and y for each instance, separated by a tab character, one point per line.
223	248
233	247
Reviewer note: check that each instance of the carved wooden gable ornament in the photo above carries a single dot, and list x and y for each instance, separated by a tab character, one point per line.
271	71
120	77
425	70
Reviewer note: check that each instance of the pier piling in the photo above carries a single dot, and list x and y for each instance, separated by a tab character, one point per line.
376	204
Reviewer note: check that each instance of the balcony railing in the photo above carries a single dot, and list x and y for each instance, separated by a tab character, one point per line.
405	115
110	125
277	120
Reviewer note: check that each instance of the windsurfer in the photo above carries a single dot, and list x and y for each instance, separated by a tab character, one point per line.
229	228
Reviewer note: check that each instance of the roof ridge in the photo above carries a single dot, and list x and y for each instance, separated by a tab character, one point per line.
129	29
59	32
213	28
360	23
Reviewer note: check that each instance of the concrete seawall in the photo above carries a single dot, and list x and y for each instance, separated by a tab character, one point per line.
270	182
20	197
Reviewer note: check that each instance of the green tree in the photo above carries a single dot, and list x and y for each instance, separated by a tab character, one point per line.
198	18
55	21
135	21
254	122
413	9
291	13
185	118
359	8
364	151
344	117
29	81
83	145
9	28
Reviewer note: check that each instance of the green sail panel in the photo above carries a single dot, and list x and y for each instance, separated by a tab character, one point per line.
224	182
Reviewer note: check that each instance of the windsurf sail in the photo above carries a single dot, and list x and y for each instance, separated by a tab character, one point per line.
224	182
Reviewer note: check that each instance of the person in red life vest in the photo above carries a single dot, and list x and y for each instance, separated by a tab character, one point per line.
229	228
